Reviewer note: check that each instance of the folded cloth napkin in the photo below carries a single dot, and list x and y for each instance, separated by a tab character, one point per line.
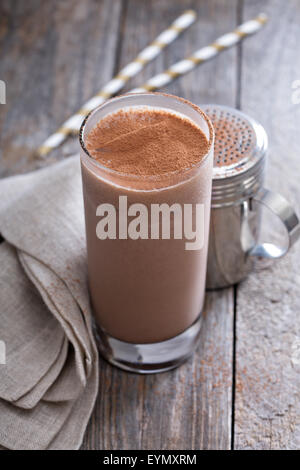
49	375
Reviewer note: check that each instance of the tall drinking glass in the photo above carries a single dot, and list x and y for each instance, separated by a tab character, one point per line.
147	294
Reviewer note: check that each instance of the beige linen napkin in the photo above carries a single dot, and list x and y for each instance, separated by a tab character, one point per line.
49	382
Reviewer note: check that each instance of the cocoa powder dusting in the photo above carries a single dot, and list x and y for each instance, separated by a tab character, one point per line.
147	142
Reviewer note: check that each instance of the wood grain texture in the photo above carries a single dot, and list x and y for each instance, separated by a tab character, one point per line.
53	56
268	324
189	408
214	81
66	51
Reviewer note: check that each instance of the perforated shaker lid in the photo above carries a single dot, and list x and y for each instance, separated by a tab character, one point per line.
240	141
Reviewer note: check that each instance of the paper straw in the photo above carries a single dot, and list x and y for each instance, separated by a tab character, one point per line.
203	54
115	85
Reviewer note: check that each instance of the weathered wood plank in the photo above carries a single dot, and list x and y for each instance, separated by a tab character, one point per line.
189	408
53	56
214	81
268	324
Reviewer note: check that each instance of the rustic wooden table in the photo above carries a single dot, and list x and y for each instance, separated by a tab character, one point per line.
241	389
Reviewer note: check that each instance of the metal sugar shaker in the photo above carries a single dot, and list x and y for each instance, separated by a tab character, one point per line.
237	197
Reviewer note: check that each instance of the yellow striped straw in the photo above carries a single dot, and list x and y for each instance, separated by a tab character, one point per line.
203	54
116	84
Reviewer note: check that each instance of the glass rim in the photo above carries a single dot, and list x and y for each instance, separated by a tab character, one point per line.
148	178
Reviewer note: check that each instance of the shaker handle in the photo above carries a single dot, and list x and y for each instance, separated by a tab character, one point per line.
282	209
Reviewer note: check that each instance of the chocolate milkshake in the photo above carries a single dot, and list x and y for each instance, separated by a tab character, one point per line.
142	153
